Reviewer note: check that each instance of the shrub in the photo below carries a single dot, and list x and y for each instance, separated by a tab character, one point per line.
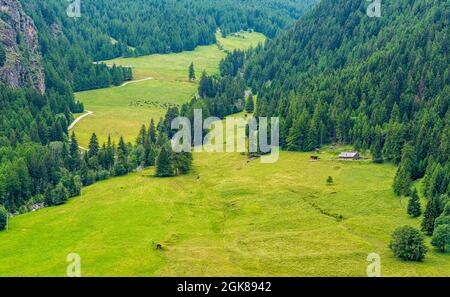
57	196
408	244
329	180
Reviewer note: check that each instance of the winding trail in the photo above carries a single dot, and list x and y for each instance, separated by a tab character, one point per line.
135	81
88	113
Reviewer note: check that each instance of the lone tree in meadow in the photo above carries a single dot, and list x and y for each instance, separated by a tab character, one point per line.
441	237
250	104
330	180
3	217
191	72
408	244
414	209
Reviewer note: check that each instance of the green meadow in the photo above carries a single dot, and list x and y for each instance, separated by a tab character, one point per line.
121	111
230	216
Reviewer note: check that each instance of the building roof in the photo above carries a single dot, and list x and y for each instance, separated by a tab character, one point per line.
348	154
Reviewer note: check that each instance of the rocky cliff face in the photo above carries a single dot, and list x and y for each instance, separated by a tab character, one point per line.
19	39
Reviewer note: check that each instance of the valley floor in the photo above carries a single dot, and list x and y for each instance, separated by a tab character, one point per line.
229	217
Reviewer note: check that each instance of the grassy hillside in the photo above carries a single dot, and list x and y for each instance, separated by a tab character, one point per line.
122	110
230	216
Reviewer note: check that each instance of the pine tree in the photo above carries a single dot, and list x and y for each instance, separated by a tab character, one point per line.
152	132
93	146
74	153
151	155
441	237
142	137
122	151
191	72
414	208
164	166
402	182
110	152
250	104
430	215
405	172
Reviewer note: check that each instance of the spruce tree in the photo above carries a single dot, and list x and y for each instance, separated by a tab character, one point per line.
74	153
191	72
430	215
142	137
151	156
402	182
122	151
444	218
441	237
414	209
152	132
164	166
93	146
405	172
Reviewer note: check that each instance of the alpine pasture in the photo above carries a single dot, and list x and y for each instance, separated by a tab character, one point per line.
162	81
230	216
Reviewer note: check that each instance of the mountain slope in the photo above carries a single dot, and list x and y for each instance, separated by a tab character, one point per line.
22	62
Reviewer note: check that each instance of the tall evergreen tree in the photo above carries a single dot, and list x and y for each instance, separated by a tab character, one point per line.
441	237
93	146
431	213
191	72
142	137
74	153
164	166
414	208
402	182
152	132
